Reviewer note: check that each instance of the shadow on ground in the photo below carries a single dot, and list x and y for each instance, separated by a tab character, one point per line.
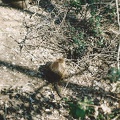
41	74
28	105
46	5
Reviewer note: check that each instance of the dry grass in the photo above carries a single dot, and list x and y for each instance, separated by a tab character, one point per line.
40	36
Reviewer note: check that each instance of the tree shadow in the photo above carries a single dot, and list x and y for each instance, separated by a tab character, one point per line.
22	69
46	5
45	74
83	91
28	104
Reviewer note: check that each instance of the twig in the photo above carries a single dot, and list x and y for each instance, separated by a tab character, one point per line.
65	87
113	97
89	105
118	17
5	108
118	56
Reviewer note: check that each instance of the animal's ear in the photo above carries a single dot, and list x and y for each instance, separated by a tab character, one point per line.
61	60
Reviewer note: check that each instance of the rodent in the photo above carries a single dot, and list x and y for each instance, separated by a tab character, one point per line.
58	68
54	72
57	71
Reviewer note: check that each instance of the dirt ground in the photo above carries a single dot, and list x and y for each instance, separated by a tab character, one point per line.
22	52
27	42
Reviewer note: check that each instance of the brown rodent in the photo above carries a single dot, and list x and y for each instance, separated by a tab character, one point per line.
55	71
58	67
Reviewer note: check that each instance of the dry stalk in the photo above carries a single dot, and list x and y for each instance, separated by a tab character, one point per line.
118	17
118	20
5	111
118	56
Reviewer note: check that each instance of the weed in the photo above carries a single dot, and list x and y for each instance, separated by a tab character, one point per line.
82	109
114	74
79	109
89	24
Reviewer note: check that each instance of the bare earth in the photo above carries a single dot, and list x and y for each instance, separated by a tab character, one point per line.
27	42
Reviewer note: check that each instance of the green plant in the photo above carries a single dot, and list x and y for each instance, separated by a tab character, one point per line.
78	3
101	116
76	110
78	48
82	109
86	22
114	74
115	115
79	109
91	26
109	12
